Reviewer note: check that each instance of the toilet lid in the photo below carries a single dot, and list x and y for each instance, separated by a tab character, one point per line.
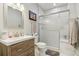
41	44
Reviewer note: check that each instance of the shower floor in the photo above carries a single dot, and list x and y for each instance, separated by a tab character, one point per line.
77	51
66	49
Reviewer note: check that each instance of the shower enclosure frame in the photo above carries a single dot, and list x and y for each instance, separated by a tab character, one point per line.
53	14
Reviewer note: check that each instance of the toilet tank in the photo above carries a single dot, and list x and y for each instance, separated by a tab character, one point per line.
36	37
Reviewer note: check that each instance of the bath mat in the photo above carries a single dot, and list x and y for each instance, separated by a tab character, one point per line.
52	52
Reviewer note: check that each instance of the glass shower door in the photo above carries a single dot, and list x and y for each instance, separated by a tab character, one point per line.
64	22
49	32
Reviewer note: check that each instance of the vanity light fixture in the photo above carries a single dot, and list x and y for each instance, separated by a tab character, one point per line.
20	6
13	5
16	6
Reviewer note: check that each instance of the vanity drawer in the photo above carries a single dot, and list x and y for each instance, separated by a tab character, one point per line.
30	52
22	47
22	43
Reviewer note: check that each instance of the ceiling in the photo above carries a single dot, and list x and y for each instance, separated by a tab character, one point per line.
47	6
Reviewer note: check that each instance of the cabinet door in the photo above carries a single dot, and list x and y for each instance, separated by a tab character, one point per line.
0	50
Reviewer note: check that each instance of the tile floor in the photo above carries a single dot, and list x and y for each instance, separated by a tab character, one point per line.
42	51
77	51
65	50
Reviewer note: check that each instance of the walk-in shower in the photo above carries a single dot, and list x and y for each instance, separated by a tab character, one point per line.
54	28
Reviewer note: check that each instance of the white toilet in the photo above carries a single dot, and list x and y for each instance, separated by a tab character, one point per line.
40	46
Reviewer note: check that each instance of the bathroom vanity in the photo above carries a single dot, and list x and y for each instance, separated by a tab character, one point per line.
20	46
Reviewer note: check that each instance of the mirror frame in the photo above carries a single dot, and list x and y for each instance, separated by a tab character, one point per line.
5	17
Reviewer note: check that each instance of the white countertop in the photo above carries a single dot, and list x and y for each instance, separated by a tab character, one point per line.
15	40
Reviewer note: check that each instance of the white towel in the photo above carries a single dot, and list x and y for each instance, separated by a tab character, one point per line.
73	31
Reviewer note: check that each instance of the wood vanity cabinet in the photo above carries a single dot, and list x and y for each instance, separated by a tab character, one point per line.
0	50
24	48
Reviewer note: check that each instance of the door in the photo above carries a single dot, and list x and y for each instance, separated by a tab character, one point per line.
49	32
64	22
53	28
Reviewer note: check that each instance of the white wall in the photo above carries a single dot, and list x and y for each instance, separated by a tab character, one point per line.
73	10
65	7
27	22
40	11
35	9
1	16
77	9
72	7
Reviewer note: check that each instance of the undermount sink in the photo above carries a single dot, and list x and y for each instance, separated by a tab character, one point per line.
14	40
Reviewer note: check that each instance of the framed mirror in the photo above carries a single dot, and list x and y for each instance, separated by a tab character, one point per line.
13	18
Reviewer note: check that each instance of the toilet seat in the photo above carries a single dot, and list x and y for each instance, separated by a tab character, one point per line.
41	44
41	48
